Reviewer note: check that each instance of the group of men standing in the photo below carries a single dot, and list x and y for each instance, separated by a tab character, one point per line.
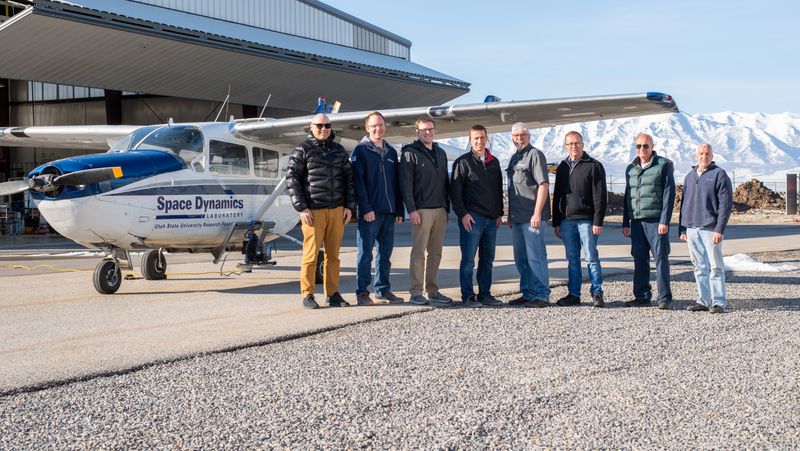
326	187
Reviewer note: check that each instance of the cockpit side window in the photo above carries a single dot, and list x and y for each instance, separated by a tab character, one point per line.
265	162
228	158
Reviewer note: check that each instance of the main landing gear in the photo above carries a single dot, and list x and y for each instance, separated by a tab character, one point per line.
154	265
108	273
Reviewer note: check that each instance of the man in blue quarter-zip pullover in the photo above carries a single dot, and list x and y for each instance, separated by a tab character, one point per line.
375	172
647	212
706	206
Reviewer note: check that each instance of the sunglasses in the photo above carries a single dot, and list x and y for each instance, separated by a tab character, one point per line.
321	126
643	146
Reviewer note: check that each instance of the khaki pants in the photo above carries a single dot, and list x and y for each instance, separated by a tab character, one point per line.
328	228
427	236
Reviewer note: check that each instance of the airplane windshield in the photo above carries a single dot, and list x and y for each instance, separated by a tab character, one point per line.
184	141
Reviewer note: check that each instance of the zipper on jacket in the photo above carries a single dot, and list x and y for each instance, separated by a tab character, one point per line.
383	173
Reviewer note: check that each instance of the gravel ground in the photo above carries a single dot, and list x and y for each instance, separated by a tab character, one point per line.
560	377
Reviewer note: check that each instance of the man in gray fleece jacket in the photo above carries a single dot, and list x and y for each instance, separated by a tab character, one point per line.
705	209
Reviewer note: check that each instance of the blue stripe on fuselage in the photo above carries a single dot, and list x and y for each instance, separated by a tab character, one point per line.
180	217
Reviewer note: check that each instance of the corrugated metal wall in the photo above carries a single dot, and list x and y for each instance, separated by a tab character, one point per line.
291	17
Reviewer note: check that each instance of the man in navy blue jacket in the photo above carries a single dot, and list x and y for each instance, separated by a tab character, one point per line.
706	206
380	206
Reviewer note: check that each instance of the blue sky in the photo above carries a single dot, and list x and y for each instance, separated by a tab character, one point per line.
710	55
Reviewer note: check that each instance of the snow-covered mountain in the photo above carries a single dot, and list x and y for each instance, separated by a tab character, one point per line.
765	146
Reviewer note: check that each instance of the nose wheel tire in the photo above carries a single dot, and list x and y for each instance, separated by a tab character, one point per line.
107	277
154	265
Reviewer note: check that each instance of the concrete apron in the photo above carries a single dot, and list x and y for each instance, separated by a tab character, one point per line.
55	328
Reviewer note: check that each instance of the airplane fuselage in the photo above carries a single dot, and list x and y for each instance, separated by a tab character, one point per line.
184	198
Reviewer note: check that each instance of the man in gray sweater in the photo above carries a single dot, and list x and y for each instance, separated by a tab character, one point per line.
705	209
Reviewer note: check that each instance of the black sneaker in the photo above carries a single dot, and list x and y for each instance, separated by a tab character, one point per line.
665	305
569	300
309	302
717	309
471	302
536	303
391	297
336	300
518	302
598	300
490	301
638	302
697	308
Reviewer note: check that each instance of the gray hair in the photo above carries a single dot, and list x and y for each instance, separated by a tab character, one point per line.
705	146
520	126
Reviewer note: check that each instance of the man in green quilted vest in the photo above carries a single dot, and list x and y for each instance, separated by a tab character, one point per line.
649	195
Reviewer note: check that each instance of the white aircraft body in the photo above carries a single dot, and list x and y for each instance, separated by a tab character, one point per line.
219	186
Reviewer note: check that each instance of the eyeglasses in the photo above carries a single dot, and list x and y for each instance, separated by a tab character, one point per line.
423	130
377	125
643	146
321	126
577	144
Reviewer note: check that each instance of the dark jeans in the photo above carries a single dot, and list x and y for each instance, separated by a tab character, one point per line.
380	232
480	239
645	240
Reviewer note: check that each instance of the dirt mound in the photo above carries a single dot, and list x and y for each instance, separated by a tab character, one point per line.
754	195
676	207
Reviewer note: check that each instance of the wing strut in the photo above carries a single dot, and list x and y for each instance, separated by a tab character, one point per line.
219	250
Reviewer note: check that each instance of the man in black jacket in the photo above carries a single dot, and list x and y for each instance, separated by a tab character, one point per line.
579	208
320	183
476	190
425	188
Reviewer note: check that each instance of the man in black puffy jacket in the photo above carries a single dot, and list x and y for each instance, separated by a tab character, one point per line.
320	183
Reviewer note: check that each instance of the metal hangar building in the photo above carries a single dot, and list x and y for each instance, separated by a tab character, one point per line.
135	62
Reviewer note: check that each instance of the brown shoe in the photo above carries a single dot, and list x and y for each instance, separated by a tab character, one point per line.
518	302
391	297
364	299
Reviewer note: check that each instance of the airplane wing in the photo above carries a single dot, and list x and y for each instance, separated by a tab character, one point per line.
455	120
88	137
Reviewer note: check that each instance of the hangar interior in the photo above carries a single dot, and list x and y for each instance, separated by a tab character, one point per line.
140	62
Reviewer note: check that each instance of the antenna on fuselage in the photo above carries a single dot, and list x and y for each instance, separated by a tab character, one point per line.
224	105
265	106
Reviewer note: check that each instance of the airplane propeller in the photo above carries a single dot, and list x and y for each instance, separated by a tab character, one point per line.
13	187
48	182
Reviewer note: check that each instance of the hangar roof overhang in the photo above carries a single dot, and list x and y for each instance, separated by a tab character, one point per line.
119	45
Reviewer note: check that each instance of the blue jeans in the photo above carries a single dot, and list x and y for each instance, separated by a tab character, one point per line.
576	234
530	257
709	270
380	231
480	239
644	240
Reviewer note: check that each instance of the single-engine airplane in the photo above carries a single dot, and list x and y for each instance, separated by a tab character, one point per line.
195	187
